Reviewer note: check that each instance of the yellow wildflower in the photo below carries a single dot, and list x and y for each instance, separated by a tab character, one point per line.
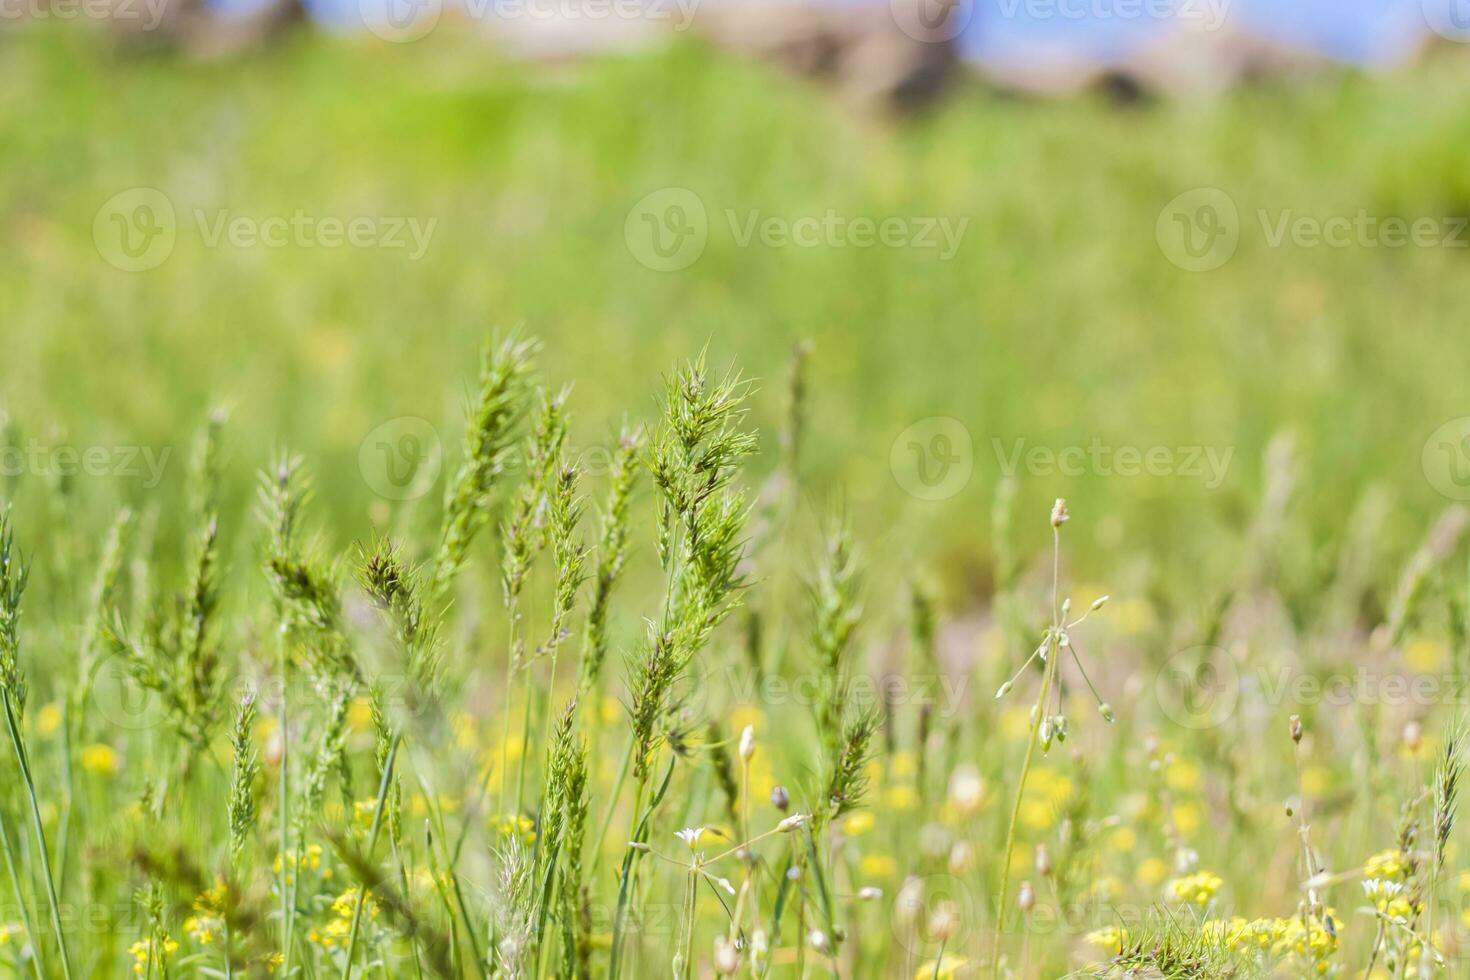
878	866
947	968
1152	871
48	719
99	760
1388	865
1111	939
1195	889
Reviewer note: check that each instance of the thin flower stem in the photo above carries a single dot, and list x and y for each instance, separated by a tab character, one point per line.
630	856
25	771
377	827
525	741
283	788
1037	713
20	897
687	969
1072	647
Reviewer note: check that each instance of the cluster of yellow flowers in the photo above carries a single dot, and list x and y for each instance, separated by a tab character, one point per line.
339	928
1279	937
1310	940
1388	865
1111	939
511	825
1198	888
144	953
308	858
208	920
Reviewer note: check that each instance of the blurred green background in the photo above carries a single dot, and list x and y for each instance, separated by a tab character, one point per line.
1058	321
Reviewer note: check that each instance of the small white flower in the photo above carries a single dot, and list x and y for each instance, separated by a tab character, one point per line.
690	836
792	822
747	743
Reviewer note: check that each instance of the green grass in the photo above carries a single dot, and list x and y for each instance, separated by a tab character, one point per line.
1058	321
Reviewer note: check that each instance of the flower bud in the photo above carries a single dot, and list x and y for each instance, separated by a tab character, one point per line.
1413	736
943	921
1043	861
1027	898
747	743
792	822
780	799
727	960
1059	514
966	789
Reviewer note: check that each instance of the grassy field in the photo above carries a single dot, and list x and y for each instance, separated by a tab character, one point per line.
1260	460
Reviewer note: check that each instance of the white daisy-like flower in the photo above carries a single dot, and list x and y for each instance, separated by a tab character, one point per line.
1381	888
690	836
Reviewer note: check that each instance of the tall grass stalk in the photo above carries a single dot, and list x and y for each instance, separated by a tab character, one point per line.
14	576
21	899
1038	718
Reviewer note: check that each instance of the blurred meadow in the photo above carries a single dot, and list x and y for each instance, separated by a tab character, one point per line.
1260	451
